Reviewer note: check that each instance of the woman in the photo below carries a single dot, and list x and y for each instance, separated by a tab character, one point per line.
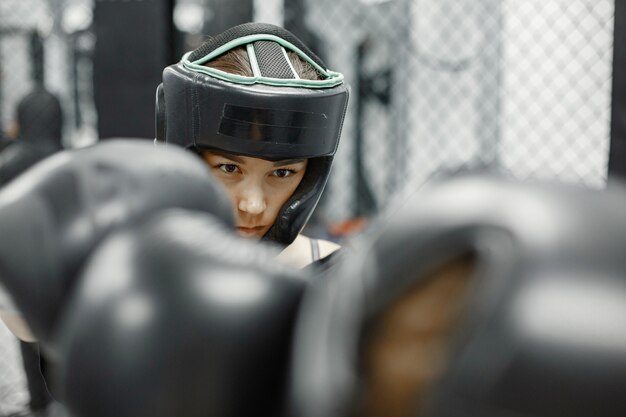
266	115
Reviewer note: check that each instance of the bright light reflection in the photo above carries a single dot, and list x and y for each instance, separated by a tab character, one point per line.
134	311
105	277
236	288
189	17
579	314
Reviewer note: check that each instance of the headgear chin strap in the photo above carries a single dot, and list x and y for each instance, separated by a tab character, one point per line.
273	114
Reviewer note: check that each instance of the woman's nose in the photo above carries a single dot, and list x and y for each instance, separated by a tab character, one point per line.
252	200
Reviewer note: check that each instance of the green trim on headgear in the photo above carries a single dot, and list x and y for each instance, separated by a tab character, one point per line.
332	78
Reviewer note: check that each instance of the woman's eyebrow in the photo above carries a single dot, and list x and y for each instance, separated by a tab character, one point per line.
288	162
229	156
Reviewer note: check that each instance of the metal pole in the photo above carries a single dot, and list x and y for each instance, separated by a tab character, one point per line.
617	152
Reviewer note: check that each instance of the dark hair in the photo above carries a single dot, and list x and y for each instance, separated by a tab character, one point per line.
236	62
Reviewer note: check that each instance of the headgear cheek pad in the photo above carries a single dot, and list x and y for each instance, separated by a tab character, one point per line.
273	114
540	326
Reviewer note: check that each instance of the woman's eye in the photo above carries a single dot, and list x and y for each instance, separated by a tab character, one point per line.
283	172
228	168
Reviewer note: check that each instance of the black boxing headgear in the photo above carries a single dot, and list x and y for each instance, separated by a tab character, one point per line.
273	114
539	330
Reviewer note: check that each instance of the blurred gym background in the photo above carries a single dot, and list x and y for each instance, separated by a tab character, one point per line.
536	87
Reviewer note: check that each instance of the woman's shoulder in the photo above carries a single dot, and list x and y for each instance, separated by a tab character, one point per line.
304	250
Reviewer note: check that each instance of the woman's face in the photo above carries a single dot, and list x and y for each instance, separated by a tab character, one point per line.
258	188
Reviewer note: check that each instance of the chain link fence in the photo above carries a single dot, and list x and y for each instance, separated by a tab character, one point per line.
436	84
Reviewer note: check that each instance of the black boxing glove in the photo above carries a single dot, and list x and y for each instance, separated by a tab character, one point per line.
480	296
178	316
17	157
53	215
4	143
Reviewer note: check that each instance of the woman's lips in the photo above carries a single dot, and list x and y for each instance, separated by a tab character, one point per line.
250	231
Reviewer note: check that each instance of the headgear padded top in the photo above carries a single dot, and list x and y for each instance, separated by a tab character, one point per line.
539	330
273	114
